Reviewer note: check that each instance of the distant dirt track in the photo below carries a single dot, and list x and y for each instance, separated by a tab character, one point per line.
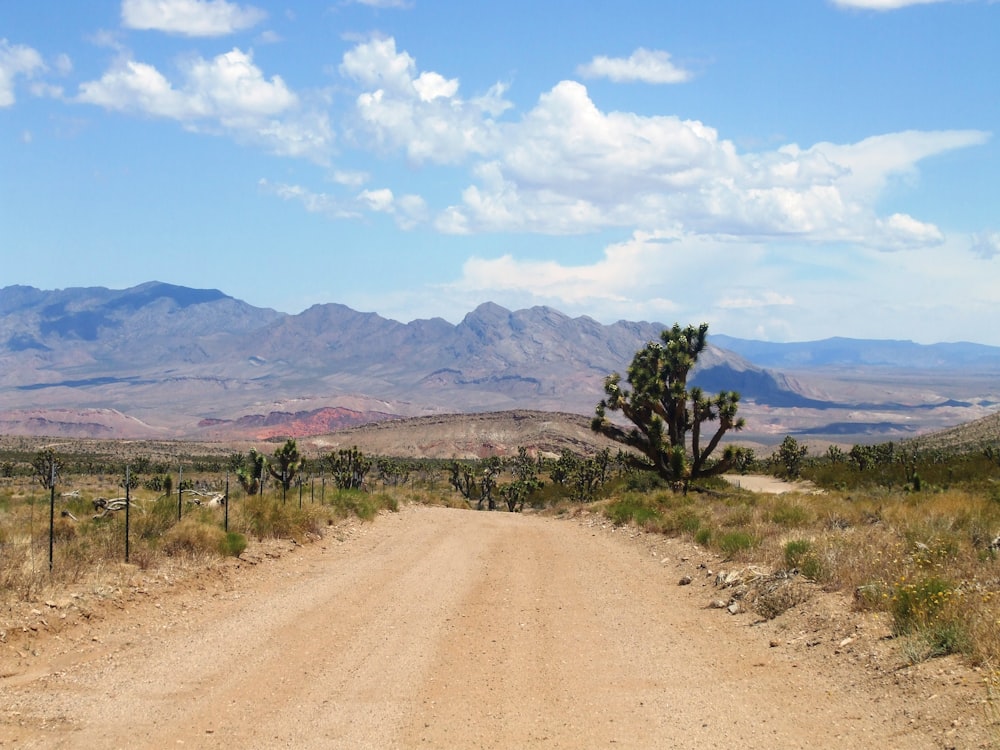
442	628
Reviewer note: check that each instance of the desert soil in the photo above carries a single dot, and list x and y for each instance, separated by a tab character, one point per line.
446	628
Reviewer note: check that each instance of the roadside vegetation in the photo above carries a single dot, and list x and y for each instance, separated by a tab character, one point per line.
906	532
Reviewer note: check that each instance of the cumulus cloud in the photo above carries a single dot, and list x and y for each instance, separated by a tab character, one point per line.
225	94
420	113
646	66
190	17
567	167
16	60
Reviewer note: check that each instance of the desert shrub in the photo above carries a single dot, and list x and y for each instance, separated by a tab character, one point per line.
812	568
734	542
63	530
362	504
631	509
738	516
266	519
157	519
790	515
796	551
233	544
645	481
686	521
779	597
193	537
916	604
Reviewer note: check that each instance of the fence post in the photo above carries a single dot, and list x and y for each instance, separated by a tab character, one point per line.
180	490
128	506
52	510
227	504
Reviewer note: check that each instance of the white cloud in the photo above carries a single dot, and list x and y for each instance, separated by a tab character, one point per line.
883	4
16	60
568	167
317	203
190	17
986	245
406	210
900	231
420	113
627	277
384	3
755	290
349	178
377	200
647	66
762	299
225	94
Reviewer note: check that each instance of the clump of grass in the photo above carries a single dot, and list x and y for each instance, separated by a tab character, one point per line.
790	515
915	605
234	544
685	521
796	551
194	537
362	504
732	543
265	517
632	509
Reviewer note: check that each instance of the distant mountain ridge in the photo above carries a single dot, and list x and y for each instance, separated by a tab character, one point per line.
846	352
199	364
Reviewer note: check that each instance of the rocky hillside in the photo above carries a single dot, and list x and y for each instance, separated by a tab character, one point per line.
970	436
162	361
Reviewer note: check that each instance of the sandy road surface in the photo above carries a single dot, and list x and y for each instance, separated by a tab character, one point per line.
441	628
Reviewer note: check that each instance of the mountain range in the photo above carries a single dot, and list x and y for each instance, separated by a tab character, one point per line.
165	361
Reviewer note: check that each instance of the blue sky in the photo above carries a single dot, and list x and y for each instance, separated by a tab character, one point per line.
785	170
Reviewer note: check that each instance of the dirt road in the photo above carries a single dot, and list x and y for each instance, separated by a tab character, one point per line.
449	629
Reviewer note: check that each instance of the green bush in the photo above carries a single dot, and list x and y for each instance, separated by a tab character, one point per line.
790	516
796	551
687	521
233	544
631	509
733	542
916	605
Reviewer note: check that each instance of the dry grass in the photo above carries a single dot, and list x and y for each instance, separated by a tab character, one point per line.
88	549
924	559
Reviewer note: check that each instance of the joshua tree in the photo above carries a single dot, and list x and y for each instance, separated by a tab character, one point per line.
349	468
250	471
46	467
665	410
289	462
